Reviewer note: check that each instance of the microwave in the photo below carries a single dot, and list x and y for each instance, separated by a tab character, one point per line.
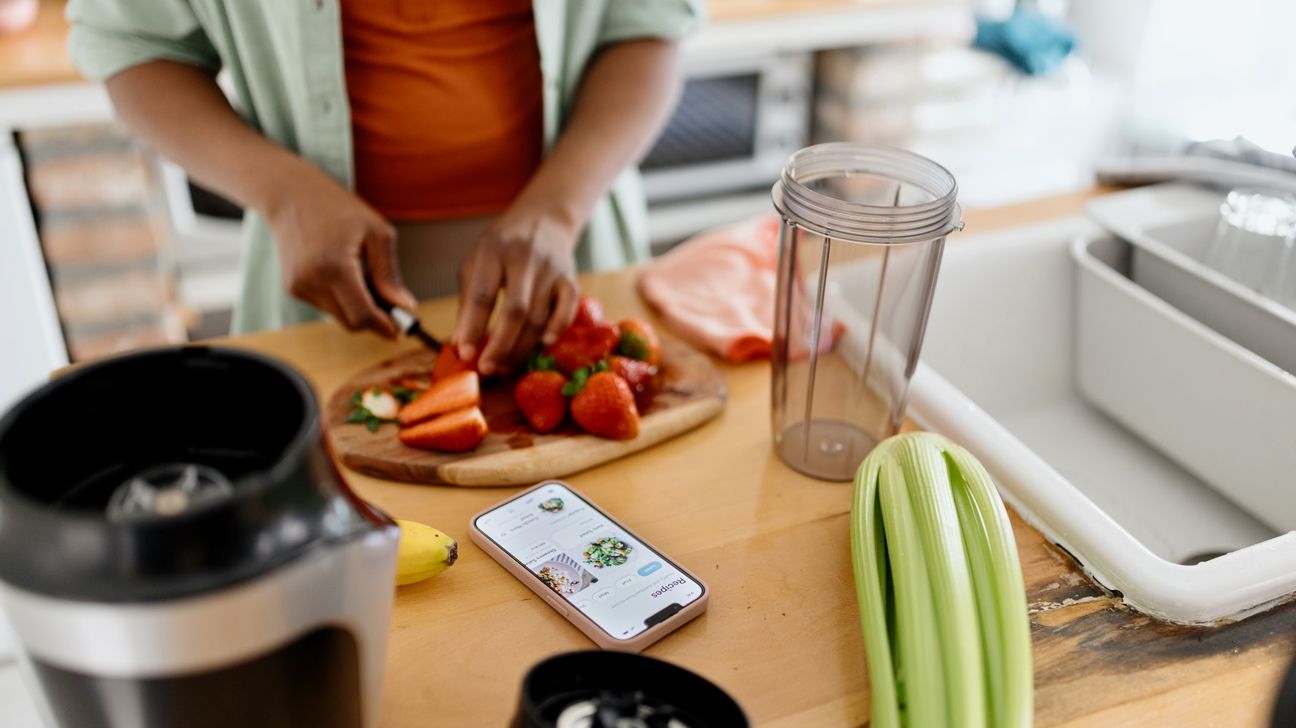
737	121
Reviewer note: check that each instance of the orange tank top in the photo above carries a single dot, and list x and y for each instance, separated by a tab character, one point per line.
446	105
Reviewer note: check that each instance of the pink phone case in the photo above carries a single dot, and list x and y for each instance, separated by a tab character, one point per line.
569	611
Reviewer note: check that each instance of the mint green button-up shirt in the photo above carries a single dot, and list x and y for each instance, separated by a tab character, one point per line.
284	58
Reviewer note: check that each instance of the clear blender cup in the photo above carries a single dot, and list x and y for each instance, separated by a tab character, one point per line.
860	244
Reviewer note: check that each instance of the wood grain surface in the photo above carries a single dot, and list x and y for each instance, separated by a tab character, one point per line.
38	55
689	391
782	634
722	11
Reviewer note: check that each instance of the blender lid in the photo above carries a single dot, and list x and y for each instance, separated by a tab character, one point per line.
167	473
608	689
621	711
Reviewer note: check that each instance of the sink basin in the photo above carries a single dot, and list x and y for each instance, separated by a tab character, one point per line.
999	376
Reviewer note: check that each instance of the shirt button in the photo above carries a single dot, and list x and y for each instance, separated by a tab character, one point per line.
319	4
325	106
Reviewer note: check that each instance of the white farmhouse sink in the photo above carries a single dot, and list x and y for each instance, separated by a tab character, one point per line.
998	376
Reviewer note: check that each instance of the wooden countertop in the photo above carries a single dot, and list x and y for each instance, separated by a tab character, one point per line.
720	11
38	55
782	634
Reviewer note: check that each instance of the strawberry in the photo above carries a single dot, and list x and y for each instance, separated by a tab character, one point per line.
415	383
539	395
373	406
460	430
639	341
448	361
380	403
451	393
589	312
638	374
583	346
603	404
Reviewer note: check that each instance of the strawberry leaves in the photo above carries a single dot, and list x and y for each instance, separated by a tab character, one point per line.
540	362
405	394
577	383
581	376
633	345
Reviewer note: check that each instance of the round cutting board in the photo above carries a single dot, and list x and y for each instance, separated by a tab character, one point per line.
690	391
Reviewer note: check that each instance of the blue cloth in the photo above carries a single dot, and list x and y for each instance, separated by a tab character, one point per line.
1028	39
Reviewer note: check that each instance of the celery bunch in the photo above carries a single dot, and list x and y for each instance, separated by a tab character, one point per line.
941	598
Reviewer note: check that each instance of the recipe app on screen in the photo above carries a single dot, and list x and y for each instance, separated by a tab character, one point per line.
598	567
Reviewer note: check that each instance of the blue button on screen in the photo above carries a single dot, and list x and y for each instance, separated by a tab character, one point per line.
647	569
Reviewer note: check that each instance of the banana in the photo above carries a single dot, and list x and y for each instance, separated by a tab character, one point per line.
424	552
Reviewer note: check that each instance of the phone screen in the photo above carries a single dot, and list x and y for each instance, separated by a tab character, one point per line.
598	567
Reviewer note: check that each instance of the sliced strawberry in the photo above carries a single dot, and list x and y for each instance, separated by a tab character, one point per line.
380	403
448	361
539	395
460	430
450	393
583	346
639	341
638	374
589	312
416	383
604	405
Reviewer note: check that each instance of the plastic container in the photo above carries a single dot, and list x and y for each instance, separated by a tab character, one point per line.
1224	413
860	245
1173	229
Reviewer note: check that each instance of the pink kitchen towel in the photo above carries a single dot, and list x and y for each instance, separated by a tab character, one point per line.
716	289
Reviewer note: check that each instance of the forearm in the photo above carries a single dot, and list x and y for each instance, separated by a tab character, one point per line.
623	101
180	111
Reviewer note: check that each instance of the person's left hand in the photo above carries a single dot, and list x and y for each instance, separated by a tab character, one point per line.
528	256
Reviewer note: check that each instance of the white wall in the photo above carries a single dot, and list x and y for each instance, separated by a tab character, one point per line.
1199	69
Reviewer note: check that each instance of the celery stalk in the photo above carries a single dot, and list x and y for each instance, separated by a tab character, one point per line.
1012	703
981	564
869	557
942	603
919	672
950	581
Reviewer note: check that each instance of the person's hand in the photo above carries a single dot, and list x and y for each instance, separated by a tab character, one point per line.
327	237
528	256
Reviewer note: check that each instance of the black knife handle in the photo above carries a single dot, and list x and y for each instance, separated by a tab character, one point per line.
406	321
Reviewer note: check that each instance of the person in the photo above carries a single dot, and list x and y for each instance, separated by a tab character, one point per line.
380	141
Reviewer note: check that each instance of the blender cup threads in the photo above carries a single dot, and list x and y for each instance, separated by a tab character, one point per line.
860	244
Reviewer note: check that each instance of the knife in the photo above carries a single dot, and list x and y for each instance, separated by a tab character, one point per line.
409	324
405	320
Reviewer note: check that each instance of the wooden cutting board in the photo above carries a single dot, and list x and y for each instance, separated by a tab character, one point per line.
690	391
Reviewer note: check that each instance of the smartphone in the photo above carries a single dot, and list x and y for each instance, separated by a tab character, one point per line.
621	592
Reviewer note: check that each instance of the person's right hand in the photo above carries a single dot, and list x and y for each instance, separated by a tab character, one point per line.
327	238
